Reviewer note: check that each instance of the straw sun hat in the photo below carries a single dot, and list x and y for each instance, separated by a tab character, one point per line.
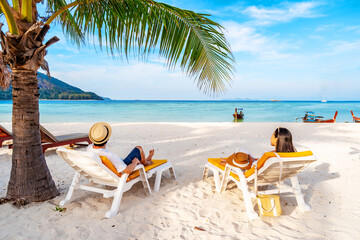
241	160
100	132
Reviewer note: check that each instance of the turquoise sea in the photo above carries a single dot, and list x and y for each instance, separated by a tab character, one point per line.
182	111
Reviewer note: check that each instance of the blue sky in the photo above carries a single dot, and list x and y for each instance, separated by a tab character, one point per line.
287	50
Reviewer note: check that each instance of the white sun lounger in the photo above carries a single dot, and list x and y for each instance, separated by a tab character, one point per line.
267	171
89	165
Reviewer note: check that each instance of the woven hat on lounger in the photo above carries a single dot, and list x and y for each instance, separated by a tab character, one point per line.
99	133
241	160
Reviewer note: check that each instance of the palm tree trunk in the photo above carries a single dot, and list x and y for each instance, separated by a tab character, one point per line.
30	177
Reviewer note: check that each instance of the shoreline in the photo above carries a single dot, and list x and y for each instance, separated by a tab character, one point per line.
184	111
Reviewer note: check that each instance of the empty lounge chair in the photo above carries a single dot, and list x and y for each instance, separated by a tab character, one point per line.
4	135
48	140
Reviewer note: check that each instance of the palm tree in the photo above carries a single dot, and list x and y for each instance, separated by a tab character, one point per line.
139	27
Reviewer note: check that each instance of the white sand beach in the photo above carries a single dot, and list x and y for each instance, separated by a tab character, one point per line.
330	186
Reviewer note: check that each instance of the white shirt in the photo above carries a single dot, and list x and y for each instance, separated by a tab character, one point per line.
115	159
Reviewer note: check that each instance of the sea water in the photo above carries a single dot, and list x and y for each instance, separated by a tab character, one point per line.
183	111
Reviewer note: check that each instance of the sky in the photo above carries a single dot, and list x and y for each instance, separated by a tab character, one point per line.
284	50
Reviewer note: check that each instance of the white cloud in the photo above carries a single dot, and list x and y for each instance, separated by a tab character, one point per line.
316	37
326	27
286	13
128	81
243	38
345	46
352	28
337	48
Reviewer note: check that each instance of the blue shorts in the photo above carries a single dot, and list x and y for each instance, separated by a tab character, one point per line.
135	153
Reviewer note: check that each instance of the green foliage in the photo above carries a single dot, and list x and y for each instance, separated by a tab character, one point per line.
55	89
59	209
10	20
141	26
70	27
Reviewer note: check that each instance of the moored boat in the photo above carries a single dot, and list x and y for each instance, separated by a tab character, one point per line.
355	119
310	117
238	113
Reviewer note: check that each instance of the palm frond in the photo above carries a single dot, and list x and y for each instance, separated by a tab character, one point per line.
142	26
70	27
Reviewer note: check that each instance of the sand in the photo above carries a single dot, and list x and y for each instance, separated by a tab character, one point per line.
330	185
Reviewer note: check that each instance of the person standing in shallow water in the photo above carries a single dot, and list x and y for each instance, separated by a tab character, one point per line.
99	135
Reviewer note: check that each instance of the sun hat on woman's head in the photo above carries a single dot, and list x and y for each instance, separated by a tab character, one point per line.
100	132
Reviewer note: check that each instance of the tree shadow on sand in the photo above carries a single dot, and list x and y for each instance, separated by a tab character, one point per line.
354	151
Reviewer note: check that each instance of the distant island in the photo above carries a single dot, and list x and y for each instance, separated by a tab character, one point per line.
55	89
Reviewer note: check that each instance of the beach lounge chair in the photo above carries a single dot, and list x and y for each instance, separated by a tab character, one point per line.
355	119
99	170
4	135
268	170
48	140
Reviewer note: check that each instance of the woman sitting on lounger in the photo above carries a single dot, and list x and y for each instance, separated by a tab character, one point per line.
100	133
281	139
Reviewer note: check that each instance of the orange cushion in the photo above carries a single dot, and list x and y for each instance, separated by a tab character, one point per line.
155	164
260	162
134	174
109	165
216	162
268	155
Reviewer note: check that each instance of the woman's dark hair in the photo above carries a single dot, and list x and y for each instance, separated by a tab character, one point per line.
284	140
101	144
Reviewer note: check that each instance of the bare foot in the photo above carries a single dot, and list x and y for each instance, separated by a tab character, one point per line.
151	154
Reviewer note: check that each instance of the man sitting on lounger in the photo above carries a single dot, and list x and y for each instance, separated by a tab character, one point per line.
100	133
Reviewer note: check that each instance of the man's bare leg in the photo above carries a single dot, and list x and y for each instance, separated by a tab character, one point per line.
146	161
142	154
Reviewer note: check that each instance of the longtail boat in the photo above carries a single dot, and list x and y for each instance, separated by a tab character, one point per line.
238	113
310	117
355	119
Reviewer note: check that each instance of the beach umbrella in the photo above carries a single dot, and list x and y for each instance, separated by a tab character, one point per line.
138	27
